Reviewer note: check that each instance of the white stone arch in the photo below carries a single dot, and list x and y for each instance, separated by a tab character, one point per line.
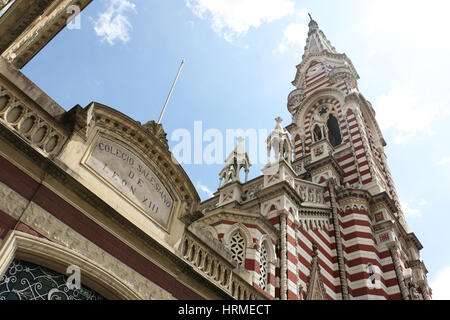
324	176
211	230
312	100
267	210
51	255
239	227
270	263
271	255
287	146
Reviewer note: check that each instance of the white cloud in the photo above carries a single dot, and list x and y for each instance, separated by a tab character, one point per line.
294	36
112	24
411	212
233	18
444	161
401	109
441	285
205	189
407	20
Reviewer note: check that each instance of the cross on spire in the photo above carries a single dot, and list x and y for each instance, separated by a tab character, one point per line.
279	120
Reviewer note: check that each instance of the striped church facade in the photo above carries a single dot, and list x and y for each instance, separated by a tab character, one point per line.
330	208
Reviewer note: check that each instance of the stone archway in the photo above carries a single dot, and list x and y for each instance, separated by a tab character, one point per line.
28	281
46	255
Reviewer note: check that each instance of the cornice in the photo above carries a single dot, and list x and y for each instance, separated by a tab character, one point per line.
18	17
385	198
346	193
39	25
318	56
413	239
240	216
324	162
278	189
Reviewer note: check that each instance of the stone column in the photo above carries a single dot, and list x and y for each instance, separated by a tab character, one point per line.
283	258
337	234
401	280
297	251
425	293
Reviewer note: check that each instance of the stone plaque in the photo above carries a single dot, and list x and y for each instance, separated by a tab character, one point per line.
132	178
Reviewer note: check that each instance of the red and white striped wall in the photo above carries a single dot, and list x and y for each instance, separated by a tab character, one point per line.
360	250
326	258
360	152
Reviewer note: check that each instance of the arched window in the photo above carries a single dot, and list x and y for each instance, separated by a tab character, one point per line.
334	133
317	133
237	246
28	281
263	266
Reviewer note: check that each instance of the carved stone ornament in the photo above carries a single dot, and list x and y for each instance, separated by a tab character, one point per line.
316	289
158	130
34	126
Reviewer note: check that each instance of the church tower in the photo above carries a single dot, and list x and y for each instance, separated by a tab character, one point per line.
339	145
324	220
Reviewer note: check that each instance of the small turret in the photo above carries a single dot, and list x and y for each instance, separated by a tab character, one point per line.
236	161
280	143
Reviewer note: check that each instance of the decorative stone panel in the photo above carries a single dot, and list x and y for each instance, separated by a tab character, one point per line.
215	269
27	122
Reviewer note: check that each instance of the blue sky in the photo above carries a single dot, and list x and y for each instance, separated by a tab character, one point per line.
240	61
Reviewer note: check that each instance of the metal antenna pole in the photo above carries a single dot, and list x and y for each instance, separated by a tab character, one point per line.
170	93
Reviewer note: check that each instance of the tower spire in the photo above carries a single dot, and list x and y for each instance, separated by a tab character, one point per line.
316	41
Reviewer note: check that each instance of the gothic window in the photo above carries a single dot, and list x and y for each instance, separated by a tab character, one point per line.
334	133
28	281
317	133
237	245
263	266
